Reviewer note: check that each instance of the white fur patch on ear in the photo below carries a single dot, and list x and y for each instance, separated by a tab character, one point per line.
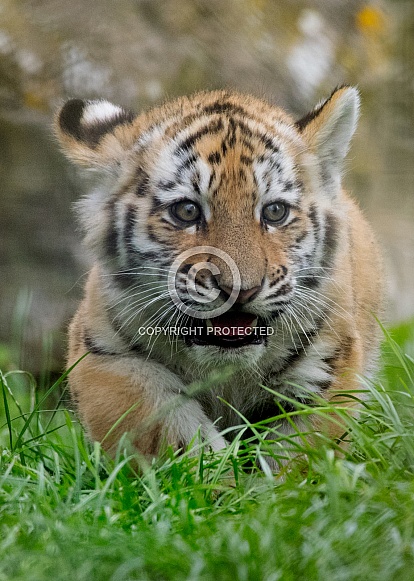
98	111
334	135
328	130
89	132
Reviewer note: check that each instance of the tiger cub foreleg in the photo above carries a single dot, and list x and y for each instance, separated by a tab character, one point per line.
128	394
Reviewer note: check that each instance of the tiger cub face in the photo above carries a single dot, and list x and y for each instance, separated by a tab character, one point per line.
230	194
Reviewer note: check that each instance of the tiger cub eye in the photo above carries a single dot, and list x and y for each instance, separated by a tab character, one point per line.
186	211
275	213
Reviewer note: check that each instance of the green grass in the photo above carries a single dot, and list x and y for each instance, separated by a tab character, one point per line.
68	512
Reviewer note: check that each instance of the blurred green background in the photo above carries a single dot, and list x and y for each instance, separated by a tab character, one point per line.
139	52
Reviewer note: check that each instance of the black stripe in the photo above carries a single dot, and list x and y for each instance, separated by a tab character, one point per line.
274	282
111	239
291	359
346	347
306	119
151	255
323	385
330	242
230	139
92	346
125	280
151	235
312	215
248	145
273	164
301	237
246	160
186	268
214	157
281	274
121	332
211	128
92	134
287	186
186	164
270	408
244	129
225	107
269	144
293	221
157	205
195	182
284	290
166	185
341	353
310	281
243	177
214	193
332	359
231	133
299	353
169	225
143	183
275	313
202	284
267	409
129	229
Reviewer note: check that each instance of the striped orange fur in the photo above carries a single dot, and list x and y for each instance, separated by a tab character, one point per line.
228	171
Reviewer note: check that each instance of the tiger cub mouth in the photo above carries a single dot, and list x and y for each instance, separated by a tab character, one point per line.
231	330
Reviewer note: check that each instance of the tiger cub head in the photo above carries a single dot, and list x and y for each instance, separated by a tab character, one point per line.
217	213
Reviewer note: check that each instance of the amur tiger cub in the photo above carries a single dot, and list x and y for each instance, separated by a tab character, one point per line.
224	244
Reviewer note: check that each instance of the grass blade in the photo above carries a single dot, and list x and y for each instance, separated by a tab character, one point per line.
6	409
41	400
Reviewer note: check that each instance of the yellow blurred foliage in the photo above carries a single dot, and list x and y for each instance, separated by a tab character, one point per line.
34	101
371	20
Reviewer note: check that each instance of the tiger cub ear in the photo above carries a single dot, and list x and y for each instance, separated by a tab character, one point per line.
328	130
94	133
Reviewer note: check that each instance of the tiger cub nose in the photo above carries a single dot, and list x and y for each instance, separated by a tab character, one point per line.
244	296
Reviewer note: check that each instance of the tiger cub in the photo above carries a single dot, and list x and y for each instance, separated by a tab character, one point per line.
221	239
